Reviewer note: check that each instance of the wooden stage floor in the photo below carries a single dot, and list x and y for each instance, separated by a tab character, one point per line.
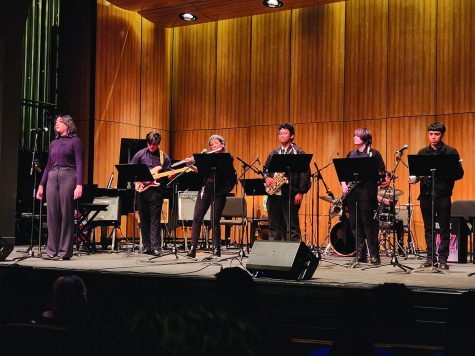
327	274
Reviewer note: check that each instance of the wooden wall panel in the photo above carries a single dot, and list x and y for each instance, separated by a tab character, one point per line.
118	65
366	59
330	70
318	40
155	77
233	92
107	148
460	133
270	75
456	49
194	76
412	33
132	84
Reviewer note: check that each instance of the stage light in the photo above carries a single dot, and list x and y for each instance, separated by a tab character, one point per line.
186	16
273	3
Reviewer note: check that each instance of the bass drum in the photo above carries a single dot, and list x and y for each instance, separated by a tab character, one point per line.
342	239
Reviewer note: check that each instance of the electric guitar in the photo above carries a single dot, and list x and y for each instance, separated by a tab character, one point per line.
143	186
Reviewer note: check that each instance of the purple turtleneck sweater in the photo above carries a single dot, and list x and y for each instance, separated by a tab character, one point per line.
65	151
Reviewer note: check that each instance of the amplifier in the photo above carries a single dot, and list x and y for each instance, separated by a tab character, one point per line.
459	232
186	205
110	216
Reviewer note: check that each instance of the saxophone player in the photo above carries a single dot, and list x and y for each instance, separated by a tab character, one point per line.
278	189
365	195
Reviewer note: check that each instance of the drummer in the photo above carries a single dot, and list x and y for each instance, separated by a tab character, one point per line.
385	196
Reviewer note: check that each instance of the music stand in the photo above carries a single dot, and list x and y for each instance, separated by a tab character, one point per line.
134	173
212	164
356	170
429	165
290	163
253	187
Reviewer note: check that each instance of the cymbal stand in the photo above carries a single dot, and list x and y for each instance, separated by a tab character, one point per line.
412	249
318	177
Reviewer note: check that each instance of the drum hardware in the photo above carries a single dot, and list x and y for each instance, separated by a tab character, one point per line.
328	198
394	193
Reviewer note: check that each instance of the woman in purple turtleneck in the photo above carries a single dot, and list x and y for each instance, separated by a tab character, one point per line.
63	178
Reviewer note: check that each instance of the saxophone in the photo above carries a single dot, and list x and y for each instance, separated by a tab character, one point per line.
337	206
281	179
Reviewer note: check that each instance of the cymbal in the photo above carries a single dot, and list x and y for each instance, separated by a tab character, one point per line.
407	204
326	198
389	193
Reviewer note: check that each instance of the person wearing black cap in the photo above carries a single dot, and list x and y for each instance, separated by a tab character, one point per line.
443	191
278	201
224	184
150	199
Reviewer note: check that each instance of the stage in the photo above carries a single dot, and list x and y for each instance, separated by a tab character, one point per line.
332	270
303	310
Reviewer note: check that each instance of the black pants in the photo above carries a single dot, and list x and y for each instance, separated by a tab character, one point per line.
442	210
367	226
278	209
203	202
150	211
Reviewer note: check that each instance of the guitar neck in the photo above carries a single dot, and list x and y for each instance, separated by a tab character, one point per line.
167	173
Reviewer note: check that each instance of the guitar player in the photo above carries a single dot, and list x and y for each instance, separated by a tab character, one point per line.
150	197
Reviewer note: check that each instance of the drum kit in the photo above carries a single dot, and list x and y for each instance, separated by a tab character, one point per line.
340	237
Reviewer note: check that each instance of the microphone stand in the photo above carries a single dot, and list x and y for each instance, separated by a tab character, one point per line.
246	167
394	260
318	176
33	170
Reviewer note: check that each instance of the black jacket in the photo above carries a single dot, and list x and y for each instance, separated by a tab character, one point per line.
300	181
444	185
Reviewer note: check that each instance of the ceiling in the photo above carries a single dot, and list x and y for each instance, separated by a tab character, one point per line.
164	13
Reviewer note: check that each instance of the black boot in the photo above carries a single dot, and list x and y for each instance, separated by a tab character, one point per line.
192	252
217	251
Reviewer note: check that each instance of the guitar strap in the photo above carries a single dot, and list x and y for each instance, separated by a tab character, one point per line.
161	158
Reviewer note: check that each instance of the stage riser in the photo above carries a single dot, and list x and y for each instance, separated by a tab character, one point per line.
298	310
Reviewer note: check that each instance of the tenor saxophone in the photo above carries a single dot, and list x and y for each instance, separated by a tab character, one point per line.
280	179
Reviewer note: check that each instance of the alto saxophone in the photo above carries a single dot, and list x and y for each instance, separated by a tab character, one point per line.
280	179
337	206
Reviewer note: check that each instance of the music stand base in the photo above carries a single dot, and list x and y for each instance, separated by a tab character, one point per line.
431	269
393	262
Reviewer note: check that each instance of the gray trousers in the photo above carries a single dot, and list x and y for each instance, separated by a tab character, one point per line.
60	198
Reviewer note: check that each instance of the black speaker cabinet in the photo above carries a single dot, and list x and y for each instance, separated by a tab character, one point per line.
5	249
282	259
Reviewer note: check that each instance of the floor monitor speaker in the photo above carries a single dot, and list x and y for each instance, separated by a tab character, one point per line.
5	249
282	259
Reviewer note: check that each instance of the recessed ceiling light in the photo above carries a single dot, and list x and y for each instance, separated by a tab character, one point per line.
273	3
186	16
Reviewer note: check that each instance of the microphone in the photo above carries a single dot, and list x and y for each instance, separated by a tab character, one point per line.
257	160
402	149
40	129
